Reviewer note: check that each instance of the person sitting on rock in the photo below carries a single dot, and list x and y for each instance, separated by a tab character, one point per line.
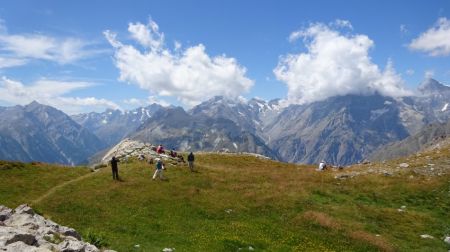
160	149
180	158
322	166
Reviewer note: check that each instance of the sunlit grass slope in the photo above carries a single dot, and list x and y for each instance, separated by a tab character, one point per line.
21	182
241	202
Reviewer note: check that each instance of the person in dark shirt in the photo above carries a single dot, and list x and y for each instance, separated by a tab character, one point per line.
114	167
190	160
159	167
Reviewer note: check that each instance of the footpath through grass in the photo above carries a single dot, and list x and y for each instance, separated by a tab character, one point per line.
21	183
241	202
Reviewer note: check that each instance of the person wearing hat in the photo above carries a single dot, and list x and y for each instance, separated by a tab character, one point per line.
159	167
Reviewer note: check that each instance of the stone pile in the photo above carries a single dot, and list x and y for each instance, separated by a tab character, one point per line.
128	148
22	229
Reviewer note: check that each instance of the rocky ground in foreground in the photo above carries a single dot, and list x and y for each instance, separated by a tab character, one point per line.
24	230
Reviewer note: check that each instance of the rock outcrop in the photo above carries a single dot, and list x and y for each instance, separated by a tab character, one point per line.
22	229
128	148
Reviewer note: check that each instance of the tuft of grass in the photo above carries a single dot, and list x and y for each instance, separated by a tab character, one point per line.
96	239
54	238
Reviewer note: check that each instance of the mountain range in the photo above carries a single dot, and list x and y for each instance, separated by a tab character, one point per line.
112	126
340	130
37	132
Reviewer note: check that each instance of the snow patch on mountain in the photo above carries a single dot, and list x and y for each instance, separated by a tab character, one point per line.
374	114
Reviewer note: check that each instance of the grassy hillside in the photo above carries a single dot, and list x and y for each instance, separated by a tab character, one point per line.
238	202
21	182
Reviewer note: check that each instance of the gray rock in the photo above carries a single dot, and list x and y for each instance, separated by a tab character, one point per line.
24	230
5	213
20	246
91	248
9	235
403	165
26	221
447	239
69	232
24	209
71	246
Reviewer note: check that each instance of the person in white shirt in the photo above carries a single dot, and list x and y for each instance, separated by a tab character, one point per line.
322	166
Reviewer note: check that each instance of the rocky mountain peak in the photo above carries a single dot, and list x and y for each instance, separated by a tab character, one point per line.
432	86
34	103
38	132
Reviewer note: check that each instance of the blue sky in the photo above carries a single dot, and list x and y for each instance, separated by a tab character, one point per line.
82	56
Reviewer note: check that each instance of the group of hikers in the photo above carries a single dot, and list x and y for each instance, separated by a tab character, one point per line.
159	166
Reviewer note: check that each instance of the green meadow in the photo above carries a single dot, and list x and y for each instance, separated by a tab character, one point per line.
238	203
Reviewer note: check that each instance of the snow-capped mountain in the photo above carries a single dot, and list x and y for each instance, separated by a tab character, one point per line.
340	130
112	126
175	128
252	116
433	99
36	132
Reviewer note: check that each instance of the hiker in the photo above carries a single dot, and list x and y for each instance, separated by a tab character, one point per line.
322	166
180	158
160	149
190	160
115	169
158	169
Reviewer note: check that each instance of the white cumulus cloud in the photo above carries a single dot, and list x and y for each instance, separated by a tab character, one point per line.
53	93
189	74
334	64
435	41
19	49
